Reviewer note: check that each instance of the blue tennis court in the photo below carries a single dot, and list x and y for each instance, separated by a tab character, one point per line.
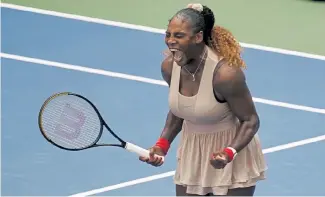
137	110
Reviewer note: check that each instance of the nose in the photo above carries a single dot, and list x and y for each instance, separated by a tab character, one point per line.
171	42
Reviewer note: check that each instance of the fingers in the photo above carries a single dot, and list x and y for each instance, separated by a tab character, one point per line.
217	164
151	152
153	158
144	159
218	161
155	161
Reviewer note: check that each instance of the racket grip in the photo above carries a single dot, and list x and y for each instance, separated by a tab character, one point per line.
138	150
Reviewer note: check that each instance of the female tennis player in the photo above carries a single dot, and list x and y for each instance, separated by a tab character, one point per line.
211	106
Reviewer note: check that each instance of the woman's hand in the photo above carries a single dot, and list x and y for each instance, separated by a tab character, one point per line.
219	160
154	160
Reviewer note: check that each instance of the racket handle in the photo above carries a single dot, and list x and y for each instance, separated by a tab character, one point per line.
138	150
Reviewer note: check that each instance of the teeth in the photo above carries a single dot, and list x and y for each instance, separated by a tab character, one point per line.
173	50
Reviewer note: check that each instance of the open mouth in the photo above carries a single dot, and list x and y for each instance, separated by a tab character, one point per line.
173	51
177	54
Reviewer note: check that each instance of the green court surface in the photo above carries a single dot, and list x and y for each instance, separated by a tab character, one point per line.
289	24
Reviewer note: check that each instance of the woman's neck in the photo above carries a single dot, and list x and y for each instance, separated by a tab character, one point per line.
196	59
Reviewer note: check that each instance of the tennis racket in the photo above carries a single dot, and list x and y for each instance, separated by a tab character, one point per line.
71	122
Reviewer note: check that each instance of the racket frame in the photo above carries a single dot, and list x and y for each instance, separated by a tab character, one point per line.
102	124
123	144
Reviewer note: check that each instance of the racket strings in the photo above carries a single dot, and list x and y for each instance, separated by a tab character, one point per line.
65	127
71	122
64	141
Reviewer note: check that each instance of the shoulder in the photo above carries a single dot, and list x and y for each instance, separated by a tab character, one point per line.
229	80
167	68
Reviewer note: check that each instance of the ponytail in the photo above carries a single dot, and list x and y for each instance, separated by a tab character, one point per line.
221	40
225	45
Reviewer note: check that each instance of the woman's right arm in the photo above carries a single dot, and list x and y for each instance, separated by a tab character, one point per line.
172	127
173	124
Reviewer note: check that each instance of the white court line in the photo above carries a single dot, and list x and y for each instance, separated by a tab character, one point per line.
171	173
148	29
143	79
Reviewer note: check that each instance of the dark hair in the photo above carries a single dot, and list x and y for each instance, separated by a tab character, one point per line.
218	38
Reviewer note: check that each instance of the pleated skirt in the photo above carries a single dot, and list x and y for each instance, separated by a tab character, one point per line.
195	172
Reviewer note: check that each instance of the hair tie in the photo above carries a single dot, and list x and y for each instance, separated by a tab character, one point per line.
196	6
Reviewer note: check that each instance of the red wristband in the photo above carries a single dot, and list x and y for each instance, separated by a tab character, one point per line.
231	152
163	144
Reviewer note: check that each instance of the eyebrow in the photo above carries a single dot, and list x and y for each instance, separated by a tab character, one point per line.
177	32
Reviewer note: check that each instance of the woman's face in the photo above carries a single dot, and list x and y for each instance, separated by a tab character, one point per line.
180	39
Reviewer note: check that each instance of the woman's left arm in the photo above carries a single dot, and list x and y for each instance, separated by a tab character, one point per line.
230	83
